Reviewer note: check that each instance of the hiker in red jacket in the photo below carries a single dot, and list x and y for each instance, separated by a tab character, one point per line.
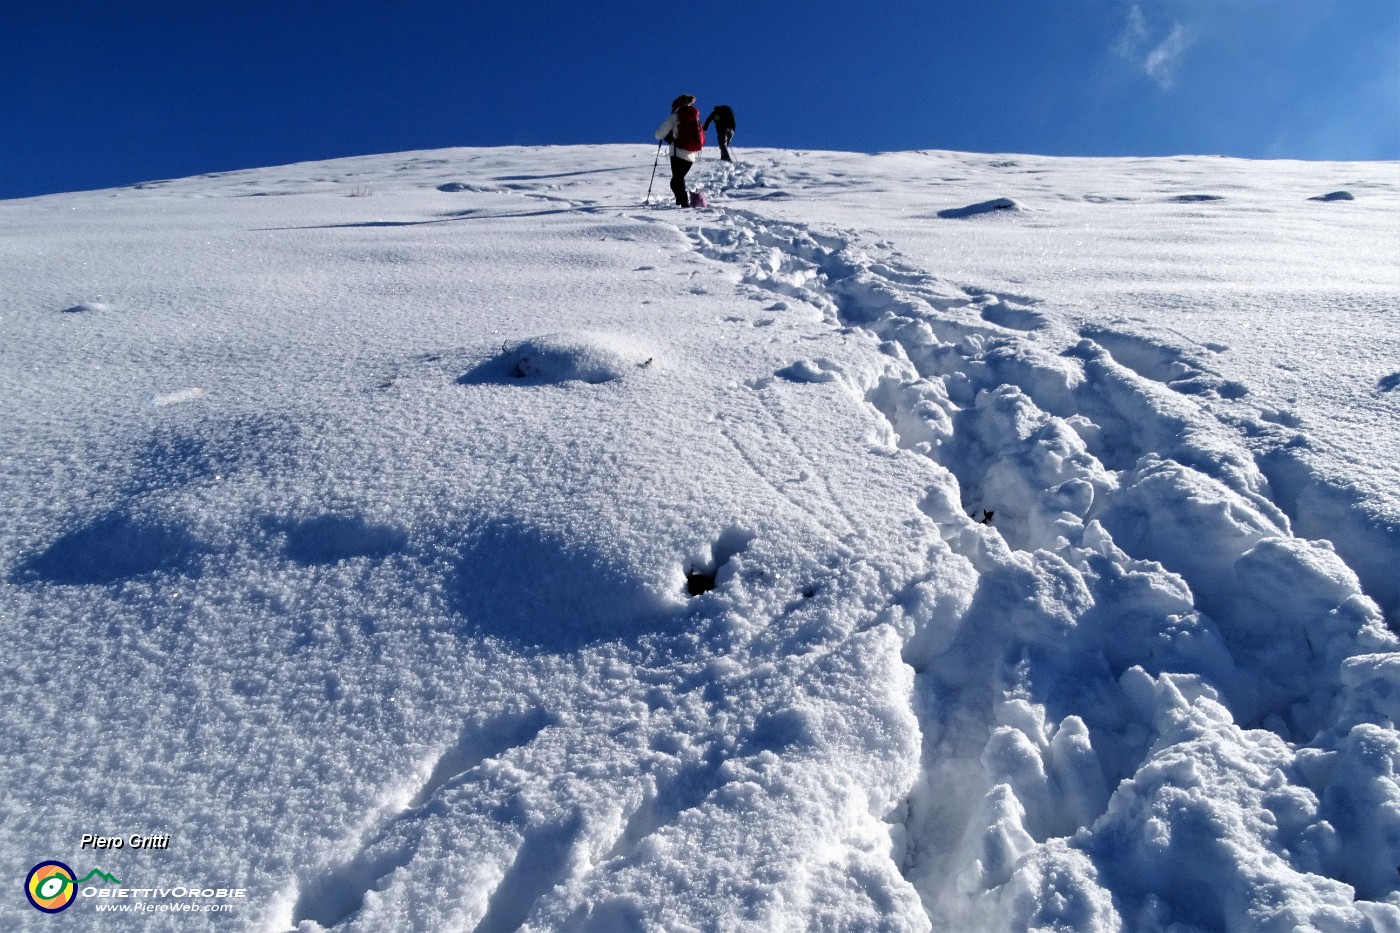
683	131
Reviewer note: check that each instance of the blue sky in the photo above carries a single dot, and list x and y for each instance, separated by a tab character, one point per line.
95	94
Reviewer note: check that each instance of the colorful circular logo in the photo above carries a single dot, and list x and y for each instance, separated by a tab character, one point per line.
50	887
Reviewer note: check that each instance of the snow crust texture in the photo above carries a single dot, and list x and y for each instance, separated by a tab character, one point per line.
496	553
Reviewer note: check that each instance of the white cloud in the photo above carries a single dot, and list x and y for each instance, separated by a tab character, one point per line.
1134	33
1157	59
1160	63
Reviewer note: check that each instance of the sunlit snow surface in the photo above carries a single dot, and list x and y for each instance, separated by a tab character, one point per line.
1043	513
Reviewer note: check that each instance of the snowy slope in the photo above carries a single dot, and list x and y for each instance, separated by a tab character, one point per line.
1049	505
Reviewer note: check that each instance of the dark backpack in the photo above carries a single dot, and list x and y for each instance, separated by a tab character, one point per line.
690	135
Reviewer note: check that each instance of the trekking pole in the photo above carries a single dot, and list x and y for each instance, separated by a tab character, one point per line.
653	170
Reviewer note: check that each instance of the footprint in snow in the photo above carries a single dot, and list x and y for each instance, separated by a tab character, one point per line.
338	892
1162	363
1016	318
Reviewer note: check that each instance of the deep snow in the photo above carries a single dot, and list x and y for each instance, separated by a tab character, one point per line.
1043	515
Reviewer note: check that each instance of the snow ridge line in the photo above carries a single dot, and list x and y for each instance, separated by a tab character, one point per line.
1135	585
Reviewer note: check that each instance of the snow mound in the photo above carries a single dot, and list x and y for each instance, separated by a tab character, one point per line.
1334	196
568	356
819	370
88	307
540	584
983	207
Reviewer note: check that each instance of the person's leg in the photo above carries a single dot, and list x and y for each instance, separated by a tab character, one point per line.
679	168
724	137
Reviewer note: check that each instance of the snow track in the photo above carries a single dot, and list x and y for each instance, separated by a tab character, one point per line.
1139	600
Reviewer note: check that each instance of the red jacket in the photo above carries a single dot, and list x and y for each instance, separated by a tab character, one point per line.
690	135
686	135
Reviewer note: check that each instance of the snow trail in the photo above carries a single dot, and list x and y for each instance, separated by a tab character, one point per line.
1132	571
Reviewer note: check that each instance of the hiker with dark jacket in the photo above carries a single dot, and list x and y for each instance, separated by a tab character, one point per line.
683	131
723	118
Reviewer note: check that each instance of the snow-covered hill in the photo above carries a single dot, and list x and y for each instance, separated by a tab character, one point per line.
447	541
